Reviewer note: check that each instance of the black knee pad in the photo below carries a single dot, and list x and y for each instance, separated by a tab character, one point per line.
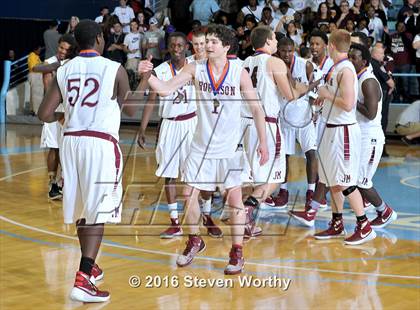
251	202
349	190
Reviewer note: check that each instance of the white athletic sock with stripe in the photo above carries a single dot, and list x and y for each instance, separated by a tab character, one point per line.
173	210
311	186
283	185
206	207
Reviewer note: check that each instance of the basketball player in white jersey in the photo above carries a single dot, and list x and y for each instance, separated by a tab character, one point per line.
339	150
322	65
293	124
215	158
179	120
369	108
269	77
51	132
92	90
199	45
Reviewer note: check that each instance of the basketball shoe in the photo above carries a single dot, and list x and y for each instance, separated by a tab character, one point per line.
280	200
195	245
96	274
54	193
384	218
306	217
173	230
335	230
236	261
85	291
212	228
362	233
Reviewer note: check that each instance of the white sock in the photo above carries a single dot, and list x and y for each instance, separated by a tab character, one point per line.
311	186
206	207
283	185
382	207
173	210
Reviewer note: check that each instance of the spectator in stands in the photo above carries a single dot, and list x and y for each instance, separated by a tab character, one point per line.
11	55
74	20
35	80
195	25
416	46
204	10
245	48
132	47
283	10
350	26
179	13
292	33
230	8
250	22
104	12
268	19
408	123
125	14
252	8
114	47
137	6
375	26
51	37
152	41
333	8
323	16
357	8
142	22
345	15
409	8
402	52
362	26
379	12
385	80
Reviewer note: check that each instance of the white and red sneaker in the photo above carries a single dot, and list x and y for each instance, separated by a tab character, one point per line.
282	198
173	230
212	228
309	196
195	245
323	205
236	261
335	230
250	229
96	274
384	218
368	207
362	233
85	291
306	217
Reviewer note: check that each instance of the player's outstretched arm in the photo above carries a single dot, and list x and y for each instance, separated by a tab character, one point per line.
165	88
147	113
46	67
127	99
251	98
52	99
372	94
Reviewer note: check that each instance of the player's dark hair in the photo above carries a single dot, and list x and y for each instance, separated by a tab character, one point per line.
259	36
362	36
69	39
177	34
221	32
364	52
285	41
320	34
86	32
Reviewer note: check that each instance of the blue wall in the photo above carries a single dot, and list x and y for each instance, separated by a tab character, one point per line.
54	9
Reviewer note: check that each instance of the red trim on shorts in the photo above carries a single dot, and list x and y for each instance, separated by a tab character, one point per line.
103	136
372	156
274	120
182	117
346	143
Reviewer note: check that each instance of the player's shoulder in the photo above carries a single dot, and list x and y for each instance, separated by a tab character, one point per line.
51	60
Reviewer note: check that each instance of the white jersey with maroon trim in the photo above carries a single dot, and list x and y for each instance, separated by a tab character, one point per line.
330	111
298	69
219	116
87	87
364	123
181	102
52	60
266	88
322	70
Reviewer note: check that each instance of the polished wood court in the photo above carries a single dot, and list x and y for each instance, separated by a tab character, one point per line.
39	254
